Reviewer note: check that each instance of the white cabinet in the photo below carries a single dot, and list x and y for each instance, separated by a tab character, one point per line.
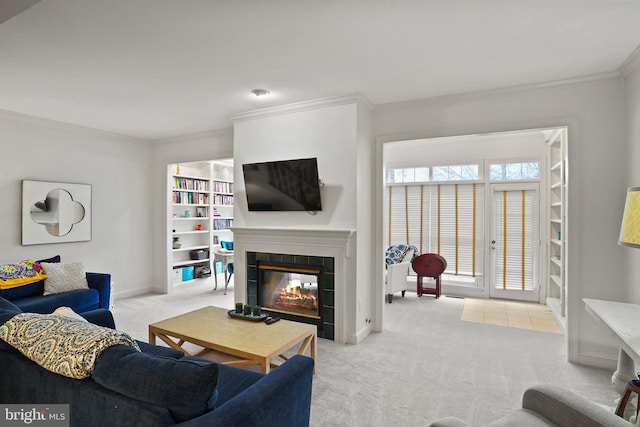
557	276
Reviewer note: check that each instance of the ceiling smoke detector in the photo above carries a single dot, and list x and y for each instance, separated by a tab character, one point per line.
260	92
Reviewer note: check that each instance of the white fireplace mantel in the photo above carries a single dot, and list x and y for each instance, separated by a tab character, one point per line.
335	243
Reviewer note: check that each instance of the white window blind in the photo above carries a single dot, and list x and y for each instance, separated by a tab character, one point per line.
446	218
514	239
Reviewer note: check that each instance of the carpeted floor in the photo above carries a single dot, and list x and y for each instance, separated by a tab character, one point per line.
426	364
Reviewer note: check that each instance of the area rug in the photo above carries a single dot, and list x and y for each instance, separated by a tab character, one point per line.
510	314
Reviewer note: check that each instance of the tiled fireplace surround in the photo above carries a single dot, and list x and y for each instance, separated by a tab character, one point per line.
330	248
326	329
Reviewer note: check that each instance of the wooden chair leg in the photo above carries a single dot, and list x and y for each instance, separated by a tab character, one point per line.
623	402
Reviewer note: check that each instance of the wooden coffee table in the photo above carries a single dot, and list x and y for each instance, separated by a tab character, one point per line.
254	343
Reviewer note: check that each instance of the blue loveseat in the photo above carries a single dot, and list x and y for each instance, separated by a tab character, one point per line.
159	387
30	297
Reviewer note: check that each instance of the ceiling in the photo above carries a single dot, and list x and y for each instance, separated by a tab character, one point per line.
157	69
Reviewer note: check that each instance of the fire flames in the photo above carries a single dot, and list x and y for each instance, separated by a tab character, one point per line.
294	296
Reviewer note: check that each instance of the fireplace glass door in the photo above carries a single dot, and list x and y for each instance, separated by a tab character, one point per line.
291	290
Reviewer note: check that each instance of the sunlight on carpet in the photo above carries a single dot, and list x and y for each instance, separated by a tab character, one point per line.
510	314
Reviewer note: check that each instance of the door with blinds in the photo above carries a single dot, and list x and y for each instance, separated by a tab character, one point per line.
514	241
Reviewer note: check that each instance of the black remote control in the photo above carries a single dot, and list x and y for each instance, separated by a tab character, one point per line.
270	320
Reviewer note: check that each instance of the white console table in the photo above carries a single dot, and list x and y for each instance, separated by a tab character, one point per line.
623	319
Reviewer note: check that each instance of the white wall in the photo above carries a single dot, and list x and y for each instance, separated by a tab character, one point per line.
326	133
208	146
460	150
337	132
118	170
595	114
366	249
632	255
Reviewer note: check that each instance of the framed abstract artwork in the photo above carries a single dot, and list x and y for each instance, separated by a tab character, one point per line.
55	212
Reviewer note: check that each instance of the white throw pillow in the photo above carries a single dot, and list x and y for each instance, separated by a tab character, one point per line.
68	312
64	277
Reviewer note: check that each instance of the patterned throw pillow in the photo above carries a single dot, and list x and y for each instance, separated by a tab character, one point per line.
60	344
21	273
397	253
64	277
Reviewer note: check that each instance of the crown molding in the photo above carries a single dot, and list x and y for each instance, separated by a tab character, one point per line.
195	136
591	78
303	106
631	63
26	118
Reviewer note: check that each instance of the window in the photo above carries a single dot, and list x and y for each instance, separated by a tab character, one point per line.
398	176
440	174
441	209
457	227
455	173
445	218
515	171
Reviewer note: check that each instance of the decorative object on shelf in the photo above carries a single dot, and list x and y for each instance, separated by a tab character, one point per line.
198	254
187	214
201	212
630	228
188	273
55	212
176	243
203	271
198	227
250	316
178	169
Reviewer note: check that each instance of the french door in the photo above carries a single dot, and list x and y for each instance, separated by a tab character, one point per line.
514	243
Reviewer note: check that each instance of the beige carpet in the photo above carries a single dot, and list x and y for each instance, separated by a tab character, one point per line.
426	364
511	314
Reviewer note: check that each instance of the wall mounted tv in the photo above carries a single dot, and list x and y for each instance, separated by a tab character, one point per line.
286	185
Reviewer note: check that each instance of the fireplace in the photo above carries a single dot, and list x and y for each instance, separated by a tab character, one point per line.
290	290
293	287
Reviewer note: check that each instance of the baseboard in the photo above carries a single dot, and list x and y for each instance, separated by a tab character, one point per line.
131	293
360	335
598	361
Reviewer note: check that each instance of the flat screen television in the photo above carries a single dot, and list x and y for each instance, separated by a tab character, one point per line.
285	185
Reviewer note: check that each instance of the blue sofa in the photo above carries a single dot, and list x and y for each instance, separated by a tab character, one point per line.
30	297
156	387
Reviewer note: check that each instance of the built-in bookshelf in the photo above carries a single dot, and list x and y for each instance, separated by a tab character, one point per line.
557	273
200	212
190	222
222	202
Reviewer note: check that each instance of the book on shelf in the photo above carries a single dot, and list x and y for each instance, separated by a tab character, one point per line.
222	224
190	184
184	197
223	187
221	199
